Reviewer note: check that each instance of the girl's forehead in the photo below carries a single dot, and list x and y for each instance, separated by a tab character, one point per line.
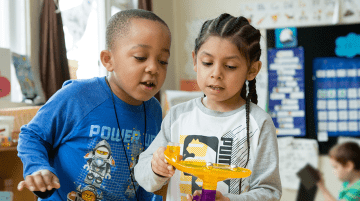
218	46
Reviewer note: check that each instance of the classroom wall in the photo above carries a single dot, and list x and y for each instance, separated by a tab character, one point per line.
178	15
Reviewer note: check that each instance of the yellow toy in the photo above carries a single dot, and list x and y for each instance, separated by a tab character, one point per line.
210	173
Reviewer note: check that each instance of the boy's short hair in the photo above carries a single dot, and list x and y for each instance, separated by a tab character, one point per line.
348	151
119	23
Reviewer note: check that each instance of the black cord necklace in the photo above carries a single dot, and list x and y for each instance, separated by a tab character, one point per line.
122	141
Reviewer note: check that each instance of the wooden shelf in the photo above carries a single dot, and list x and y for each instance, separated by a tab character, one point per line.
12	148
11	169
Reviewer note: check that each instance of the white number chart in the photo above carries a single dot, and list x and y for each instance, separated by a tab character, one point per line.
337	96
287	91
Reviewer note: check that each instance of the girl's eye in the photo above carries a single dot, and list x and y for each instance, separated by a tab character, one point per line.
206	63
163	63
230	67
140	58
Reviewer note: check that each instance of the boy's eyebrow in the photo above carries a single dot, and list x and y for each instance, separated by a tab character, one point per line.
229	57
148	46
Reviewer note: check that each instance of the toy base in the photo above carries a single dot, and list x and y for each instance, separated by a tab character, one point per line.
206	195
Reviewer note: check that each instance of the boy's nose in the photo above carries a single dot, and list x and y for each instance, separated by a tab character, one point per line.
152	67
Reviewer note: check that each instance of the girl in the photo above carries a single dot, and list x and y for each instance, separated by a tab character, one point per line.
223	127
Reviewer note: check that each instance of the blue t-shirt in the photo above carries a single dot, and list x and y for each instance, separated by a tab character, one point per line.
75	135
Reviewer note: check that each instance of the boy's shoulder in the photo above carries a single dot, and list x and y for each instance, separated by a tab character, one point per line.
81	89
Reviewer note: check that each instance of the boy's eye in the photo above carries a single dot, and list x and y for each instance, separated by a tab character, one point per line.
207	63
163	62
230	67
140	58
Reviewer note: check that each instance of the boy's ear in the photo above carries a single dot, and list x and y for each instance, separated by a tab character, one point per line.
194	60
106	60
350	165
254	70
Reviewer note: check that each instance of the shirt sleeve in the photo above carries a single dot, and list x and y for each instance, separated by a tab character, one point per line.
143	171
45	132
265	181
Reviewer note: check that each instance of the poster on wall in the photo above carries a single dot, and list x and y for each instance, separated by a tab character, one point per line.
5	74
287	91
301	13
336	97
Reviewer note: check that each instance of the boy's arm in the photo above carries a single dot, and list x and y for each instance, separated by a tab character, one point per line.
265	181
144	174
45	132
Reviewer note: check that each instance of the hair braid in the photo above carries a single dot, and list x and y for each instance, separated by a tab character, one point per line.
252	91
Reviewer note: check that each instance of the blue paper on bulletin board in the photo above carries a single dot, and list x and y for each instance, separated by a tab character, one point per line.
337	96
287	91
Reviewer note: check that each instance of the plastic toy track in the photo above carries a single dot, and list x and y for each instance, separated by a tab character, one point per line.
210	173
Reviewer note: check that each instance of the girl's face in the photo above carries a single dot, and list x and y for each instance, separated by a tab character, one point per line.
221	73
341	171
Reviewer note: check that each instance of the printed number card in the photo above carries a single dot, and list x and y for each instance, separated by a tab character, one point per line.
336	96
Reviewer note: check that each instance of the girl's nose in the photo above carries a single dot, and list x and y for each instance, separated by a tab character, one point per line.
216	73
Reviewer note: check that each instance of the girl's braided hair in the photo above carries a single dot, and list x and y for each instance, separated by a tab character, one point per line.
247	39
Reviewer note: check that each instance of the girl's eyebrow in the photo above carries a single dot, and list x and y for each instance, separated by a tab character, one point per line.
229	57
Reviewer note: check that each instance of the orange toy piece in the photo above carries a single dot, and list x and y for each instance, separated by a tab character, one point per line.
210	173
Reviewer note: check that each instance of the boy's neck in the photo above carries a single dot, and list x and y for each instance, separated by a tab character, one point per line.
355	176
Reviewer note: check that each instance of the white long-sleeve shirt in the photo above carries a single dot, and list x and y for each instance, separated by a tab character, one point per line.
217	137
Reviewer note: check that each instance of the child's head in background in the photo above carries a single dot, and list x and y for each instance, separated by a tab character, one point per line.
345	159
138	50
226	54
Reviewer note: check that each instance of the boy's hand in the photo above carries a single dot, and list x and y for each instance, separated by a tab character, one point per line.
159	164
41	180
218	197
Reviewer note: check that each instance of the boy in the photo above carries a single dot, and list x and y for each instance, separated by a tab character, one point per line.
84	142
345	159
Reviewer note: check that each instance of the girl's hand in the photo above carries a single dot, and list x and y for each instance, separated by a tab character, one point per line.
41	180
159	164
218	197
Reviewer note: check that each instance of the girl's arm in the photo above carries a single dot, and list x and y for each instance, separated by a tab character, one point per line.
265	181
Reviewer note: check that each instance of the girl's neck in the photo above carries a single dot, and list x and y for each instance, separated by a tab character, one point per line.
223	106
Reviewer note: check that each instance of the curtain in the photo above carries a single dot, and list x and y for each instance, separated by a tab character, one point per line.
53	62
145	5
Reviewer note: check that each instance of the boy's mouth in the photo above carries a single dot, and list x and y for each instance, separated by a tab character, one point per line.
148	84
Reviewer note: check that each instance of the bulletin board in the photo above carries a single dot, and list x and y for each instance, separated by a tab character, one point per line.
320	45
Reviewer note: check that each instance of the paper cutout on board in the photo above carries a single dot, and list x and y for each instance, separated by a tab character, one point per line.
348	46
286	37
5	87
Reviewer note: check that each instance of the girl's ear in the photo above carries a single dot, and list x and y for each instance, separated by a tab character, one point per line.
106	60
254	70
194	60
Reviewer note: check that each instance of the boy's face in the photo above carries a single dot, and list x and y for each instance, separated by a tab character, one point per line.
139	61
341	171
